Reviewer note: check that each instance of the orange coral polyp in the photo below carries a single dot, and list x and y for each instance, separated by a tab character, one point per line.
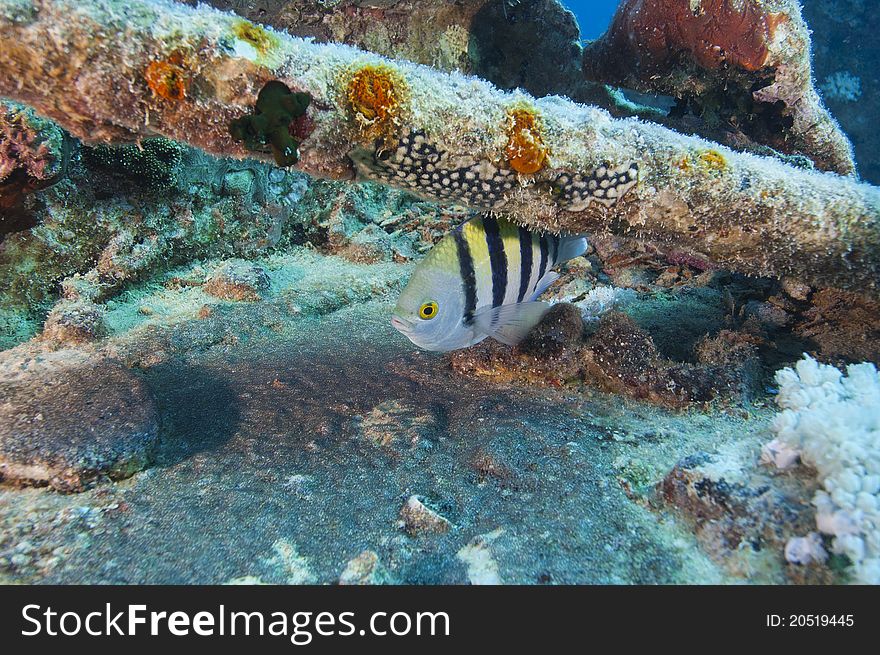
167	80
526	152
374	95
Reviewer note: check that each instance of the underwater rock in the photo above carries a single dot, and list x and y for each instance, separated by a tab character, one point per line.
733	351
756	216
768	315
616	356
365	569
67	420
81	288
536	46
541	358
239	184
394	425
237	279
622	358
477	556
841	326
795	289
417	518
740	514
741	63
560	328
74	324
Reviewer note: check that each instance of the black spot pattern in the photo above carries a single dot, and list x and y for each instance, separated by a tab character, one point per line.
420	166
606	185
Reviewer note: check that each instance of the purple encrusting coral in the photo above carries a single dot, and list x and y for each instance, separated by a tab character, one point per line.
29	144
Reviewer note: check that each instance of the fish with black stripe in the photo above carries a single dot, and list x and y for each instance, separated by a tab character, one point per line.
481	280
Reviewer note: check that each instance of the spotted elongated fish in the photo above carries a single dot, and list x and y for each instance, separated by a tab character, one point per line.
481	280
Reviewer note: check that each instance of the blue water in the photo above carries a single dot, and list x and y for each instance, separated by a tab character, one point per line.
593	15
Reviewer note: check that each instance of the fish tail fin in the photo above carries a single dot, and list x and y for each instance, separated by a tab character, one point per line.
571	247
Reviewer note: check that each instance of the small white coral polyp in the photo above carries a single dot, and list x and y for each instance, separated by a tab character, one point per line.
842	86
603	299
833	421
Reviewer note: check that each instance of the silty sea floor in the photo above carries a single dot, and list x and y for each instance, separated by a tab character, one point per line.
294	431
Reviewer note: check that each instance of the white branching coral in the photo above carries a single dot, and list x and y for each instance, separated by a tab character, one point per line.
842	86
833	421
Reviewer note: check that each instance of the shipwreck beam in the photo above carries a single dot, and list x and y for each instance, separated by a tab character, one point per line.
120	70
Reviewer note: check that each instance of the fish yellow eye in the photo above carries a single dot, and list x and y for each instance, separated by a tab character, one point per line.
428	310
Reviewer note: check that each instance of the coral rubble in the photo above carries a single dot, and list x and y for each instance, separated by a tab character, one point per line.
743	517
237	279
365	569
775	220
68	419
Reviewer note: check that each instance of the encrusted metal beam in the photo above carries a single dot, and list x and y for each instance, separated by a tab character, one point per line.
119	70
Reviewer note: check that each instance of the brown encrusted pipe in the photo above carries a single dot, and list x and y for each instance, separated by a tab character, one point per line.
119	70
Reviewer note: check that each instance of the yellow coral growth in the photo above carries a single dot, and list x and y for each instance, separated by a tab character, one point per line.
167	78
713	160
705	160
261	40
375	96
525	150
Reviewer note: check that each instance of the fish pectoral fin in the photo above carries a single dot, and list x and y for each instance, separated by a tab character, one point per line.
544	283
509	324
571	247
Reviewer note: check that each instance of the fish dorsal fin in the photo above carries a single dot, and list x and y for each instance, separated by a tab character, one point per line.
549	278
509	324
571	247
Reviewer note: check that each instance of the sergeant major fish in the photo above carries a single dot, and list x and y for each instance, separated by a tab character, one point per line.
481	280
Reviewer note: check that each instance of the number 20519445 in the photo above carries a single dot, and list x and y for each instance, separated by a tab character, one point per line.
810	620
